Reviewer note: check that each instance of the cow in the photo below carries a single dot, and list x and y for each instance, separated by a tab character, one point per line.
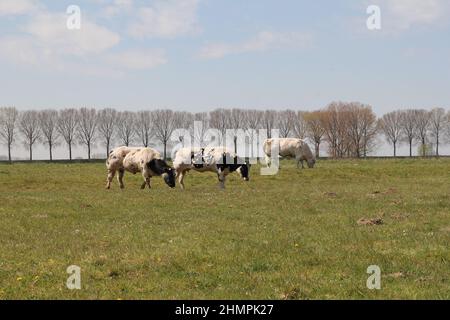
218	160
114	163
291	147
145	160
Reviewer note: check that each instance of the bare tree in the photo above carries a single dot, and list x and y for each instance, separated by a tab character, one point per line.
164	122
198	134
335	122
144	127
361	122
48	123
252	122
67	127
29	127
87	127
126	127
107	122
299	125
183	120
422	120
8	120
236	123
253	119
285	122
369	129
408	124
220	120
438	122
269	121
314	129
391	126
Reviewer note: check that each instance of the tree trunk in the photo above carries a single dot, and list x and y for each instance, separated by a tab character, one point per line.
423	148
9	153
437	145
317	150
70	151
31	152
107	149
89	151
410	148
50	150
165	150
395	149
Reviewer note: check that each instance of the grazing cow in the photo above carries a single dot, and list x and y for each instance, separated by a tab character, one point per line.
114	163
290	147
218	160
145	160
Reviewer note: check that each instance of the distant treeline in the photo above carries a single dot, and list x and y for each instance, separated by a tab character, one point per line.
346	129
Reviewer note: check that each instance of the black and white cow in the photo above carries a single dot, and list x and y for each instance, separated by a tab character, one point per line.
218	160
144	160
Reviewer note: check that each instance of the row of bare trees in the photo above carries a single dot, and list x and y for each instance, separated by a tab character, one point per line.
416	125
347	129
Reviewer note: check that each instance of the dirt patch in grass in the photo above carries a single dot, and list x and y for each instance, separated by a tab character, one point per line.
370	222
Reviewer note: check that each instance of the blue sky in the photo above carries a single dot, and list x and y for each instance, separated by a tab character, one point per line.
200	54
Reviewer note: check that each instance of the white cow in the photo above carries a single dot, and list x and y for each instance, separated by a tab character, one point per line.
218	160
145	160
291	147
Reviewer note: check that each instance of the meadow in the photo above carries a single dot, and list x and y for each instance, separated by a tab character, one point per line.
290	236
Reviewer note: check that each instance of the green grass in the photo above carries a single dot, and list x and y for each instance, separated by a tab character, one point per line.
290	236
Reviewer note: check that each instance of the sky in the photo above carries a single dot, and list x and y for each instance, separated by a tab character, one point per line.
197	55
201	54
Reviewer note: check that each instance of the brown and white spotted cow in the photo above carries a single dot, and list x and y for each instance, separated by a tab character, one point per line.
218	160
114	163
145	160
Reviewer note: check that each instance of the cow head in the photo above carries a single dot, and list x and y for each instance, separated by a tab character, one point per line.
244	171
169	177
311	163
161	168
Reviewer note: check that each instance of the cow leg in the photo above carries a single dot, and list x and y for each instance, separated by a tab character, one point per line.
111	174
146	177
148	182
120	178
180	176
267	161
221	177
299	160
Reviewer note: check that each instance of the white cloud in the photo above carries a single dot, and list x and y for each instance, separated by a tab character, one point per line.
50	29
263	41
17	7
138	59
166	19
44	42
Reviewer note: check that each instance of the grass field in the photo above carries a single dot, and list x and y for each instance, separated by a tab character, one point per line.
290	236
